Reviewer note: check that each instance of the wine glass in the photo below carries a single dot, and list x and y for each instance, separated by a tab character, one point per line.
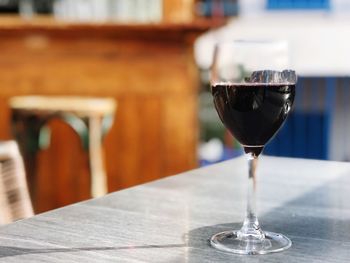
253	95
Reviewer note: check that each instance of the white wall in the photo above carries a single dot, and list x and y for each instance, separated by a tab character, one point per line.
319	43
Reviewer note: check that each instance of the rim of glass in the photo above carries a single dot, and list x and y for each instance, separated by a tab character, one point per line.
250	84
251	42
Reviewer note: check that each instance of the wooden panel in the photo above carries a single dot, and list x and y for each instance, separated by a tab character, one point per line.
5	131
128	147
153	78
180	131
151	114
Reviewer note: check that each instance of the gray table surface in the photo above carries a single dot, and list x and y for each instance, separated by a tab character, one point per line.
170	220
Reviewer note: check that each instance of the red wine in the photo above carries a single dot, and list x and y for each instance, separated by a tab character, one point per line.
253	112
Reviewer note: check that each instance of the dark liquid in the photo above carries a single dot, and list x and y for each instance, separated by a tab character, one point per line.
253	112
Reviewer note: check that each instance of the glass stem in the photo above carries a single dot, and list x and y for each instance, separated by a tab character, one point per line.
251	228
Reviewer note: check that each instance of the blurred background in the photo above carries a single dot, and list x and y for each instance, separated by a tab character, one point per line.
124	87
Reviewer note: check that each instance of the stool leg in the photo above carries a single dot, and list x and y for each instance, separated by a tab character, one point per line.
26	131
96	160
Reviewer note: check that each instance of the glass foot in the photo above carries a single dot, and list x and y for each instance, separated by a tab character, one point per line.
229	242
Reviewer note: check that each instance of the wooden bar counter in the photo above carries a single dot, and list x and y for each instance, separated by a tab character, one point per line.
148	69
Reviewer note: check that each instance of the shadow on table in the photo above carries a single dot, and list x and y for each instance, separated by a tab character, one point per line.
317	222
312	234
7	251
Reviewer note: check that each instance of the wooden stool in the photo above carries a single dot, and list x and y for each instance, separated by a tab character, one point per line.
90	118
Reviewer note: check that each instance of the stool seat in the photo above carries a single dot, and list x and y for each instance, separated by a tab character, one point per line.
81	106
89	117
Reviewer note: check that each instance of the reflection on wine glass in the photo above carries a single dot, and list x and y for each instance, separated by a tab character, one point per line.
253	100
